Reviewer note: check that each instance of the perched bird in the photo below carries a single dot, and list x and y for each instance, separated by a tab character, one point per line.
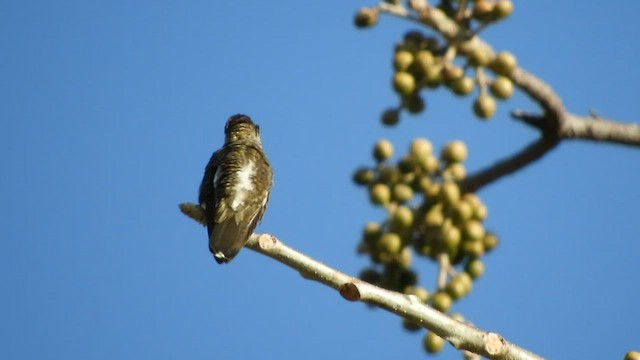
235	188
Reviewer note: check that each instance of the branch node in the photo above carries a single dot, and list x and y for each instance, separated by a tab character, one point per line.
493	343
350	291
267	241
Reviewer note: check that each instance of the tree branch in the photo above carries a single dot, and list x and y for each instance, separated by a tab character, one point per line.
526	156
599	129
460	335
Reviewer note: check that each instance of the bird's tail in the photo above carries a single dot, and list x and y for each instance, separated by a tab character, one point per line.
227	238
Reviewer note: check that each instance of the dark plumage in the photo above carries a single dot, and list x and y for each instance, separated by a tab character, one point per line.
235	188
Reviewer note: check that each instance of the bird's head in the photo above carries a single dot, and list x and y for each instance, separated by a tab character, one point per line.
240	128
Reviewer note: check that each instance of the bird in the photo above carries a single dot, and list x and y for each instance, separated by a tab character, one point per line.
235	188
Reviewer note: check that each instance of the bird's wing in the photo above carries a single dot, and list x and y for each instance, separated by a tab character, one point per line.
206	196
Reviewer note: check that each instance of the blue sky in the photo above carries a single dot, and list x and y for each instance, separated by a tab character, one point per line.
110	110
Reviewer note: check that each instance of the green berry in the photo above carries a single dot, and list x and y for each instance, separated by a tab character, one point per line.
379	194
402	218
479	57
414	104
432	343
462	86
455	151
455	172
449	193
504	63
441	301
490	241
502	87
420	148
382	150
484	107
502	9
390	243
402	193
473	230
402	59
404	83
475	268
366	17
363	176
456	289
390	117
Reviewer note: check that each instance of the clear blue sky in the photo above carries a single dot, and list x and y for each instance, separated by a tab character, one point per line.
111	109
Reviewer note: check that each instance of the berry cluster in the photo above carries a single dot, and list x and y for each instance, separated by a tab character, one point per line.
427	215
423	62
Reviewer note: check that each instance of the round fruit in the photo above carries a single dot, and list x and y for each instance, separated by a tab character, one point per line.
402	193
366	17
484	106
390	117
414	104
449	193
473	248
462	86
455	151
632	355
456	289
452	72
390	243
483	10
504	63
432	343
420	148
455	172
502	87
402	218
423	60
433	76
479	57
383	150
363	176
480	212
404	83
380	194
502	9
490	241
463	211
402	60
406	165
389	174
441	301
475	268
434	216
451	238
473	230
